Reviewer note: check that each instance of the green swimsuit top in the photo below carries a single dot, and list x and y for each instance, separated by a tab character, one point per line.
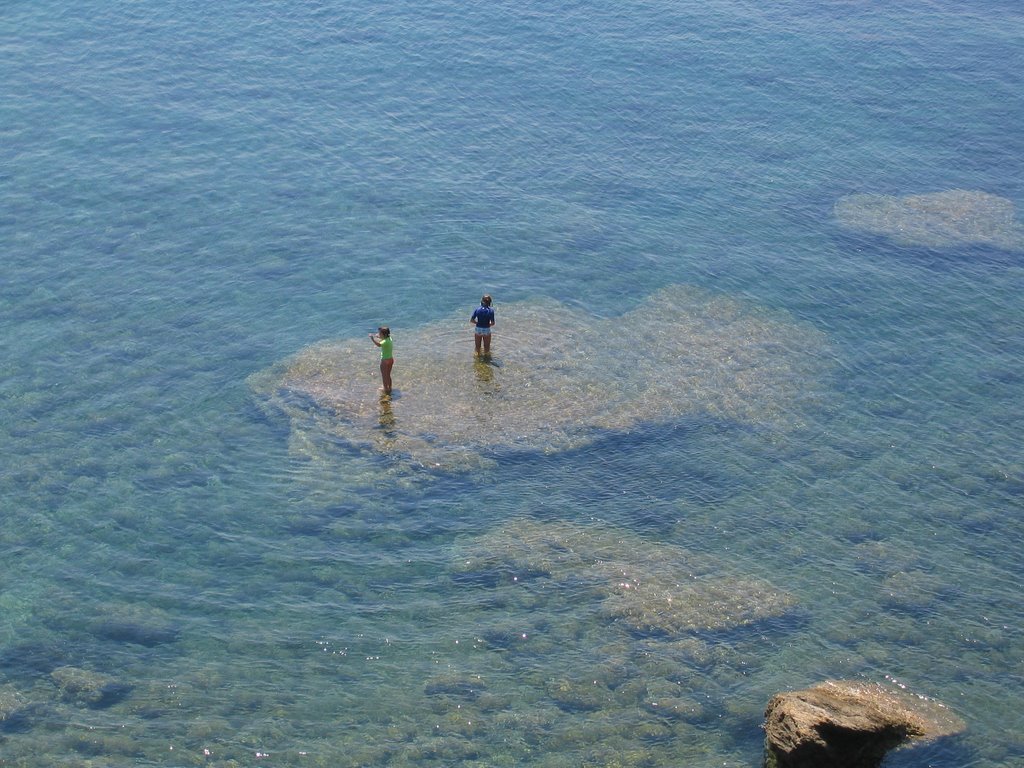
385	348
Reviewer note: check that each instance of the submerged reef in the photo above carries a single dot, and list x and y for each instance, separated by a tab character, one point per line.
653	590
645	638
87	688
558	377
939	220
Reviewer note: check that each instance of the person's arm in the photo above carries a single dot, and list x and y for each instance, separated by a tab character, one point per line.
374	340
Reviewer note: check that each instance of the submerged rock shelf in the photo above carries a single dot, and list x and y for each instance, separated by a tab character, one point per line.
558	377
947	219
651	589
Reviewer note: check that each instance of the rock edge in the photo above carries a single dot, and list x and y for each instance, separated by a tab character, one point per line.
848	724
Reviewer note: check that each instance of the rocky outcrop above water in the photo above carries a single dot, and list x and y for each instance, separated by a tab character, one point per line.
844	724
558	378
939	220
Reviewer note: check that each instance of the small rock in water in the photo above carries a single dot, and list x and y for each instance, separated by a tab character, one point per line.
15	709
847	724
140	634
132	623
87	688
459	687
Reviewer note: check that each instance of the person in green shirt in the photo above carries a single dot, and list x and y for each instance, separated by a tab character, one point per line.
387	360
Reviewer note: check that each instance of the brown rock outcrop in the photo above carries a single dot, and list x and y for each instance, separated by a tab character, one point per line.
846	724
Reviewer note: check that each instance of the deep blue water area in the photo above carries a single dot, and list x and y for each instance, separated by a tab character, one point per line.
191	193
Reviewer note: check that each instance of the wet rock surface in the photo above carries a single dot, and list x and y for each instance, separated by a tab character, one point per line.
845	724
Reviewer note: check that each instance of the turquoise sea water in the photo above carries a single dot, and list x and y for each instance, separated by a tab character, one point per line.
192	192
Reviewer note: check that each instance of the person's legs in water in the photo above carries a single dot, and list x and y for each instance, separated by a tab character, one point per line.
482	337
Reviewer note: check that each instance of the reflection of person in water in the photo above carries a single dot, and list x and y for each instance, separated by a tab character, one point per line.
387	360
483	319
387	418
484	371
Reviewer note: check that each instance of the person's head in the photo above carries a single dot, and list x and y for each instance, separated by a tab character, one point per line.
383	331
486	300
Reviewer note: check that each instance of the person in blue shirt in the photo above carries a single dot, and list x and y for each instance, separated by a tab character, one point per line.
483	320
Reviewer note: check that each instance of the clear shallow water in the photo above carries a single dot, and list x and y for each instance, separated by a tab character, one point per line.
189	194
